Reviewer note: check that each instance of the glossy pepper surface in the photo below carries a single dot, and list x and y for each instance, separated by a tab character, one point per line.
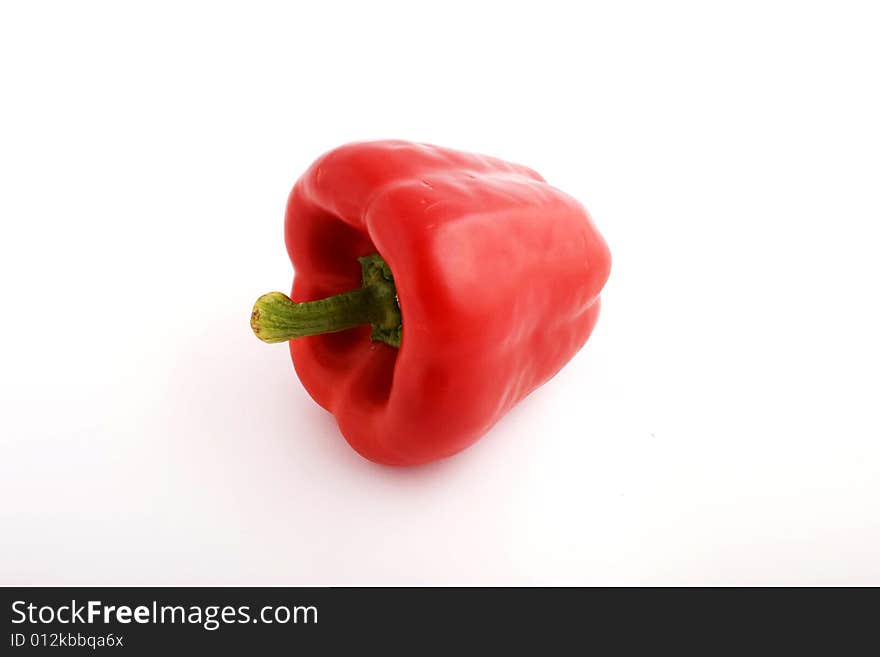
444	287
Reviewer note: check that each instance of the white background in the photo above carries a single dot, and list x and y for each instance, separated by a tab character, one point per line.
721	426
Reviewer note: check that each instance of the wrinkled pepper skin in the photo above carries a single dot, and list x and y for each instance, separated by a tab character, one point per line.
498	277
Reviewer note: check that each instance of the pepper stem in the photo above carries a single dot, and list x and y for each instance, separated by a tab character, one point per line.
276	318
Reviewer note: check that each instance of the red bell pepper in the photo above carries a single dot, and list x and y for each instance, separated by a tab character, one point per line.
434	289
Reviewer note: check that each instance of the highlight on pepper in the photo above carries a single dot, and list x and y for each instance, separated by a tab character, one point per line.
433	290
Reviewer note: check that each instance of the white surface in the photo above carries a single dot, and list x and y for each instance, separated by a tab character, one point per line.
720	427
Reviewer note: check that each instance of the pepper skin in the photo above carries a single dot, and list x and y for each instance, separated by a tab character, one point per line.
497	277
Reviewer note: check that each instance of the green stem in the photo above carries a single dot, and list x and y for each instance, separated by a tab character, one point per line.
276	318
